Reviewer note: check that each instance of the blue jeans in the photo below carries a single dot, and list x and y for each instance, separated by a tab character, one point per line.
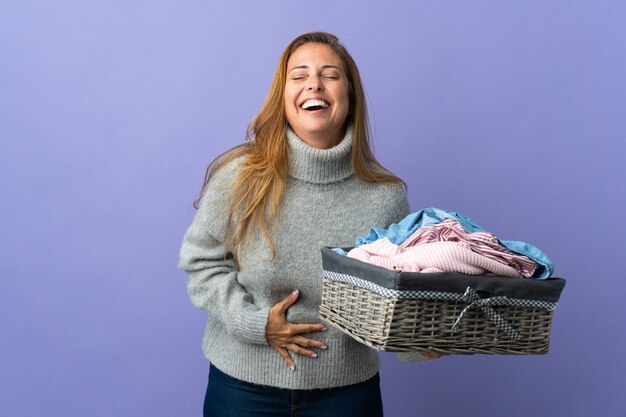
230	397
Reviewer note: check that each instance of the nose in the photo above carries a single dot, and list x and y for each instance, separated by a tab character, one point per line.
314	84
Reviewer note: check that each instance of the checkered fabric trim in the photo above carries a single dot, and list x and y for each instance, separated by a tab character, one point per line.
470	297
430	295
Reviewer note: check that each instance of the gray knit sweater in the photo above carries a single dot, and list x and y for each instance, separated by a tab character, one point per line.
324	204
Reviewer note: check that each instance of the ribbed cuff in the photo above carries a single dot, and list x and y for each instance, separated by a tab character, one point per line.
249	326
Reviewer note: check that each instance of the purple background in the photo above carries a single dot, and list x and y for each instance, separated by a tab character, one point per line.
510	112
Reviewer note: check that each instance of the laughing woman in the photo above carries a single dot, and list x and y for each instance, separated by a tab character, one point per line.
305	178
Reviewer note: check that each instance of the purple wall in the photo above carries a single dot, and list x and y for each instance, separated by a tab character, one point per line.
512	113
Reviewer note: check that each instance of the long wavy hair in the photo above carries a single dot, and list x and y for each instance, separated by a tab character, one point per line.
256	193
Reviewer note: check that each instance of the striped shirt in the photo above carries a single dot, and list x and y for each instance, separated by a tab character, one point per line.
457	250
483	243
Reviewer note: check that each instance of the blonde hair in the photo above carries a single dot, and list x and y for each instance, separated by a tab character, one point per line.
256	193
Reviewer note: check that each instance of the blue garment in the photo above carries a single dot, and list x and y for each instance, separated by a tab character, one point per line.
399	232
229	397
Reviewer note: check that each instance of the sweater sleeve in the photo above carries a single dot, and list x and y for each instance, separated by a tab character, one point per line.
212	283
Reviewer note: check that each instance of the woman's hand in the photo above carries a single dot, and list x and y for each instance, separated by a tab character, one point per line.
285	337
433	355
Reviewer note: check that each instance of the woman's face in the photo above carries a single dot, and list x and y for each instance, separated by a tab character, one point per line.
316	95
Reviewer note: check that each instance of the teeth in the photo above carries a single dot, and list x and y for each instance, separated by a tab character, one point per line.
314	103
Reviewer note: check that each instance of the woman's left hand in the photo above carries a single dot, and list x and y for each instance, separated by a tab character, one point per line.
286	337
433	355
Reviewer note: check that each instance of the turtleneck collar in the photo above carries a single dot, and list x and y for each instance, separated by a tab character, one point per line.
319	166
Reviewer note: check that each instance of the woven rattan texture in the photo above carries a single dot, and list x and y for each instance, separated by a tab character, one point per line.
400	325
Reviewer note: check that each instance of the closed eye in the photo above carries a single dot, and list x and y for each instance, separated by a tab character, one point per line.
297	77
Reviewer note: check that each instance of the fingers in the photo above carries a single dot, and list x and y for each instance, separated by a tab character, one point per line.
285	355
282	334
298	350
432	355
285	337
288	301
306	328
303	341
292	347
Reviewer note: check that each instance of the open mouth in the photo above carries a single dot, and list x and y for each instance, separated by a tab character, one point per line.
312	105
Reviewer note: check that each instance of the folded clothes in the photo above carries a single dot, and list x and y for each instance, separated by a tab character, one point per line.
431	257
483	243
398	233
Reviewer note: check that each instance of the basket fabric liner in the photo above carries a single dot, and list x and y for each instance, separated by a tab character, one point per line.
547	290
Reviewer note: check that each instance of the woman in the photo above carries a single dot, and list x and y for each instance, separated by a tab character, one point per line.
306	178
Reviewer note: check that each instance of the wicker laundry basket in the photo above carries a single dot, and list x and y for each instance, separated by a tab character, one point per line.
442	312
